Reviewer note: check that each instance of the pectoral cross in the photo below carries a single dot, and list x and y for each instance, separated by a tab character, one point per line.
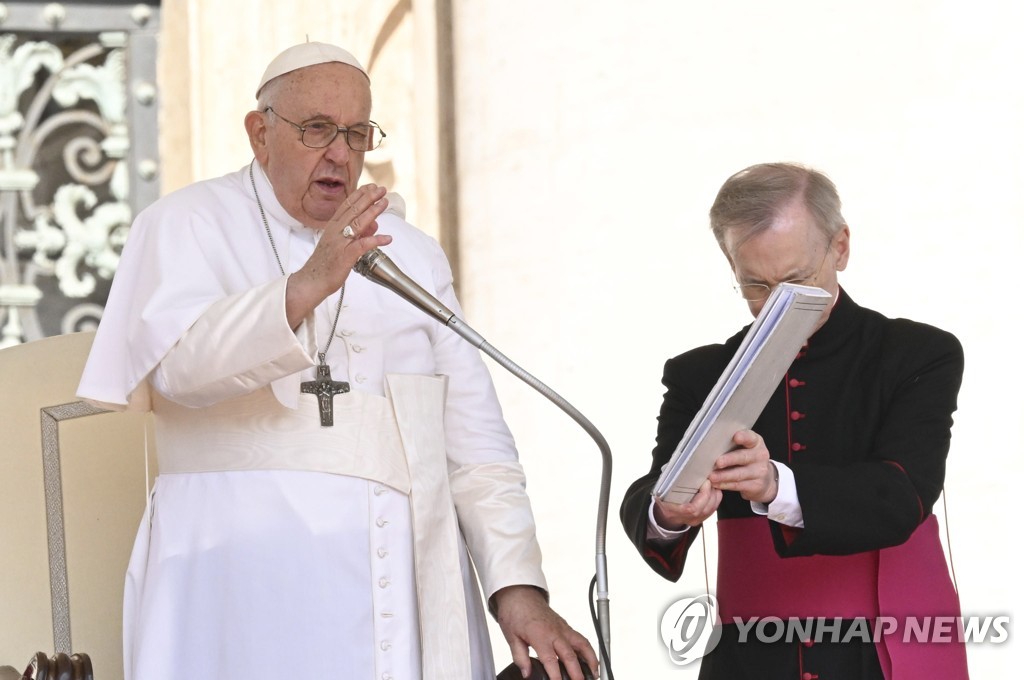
325	390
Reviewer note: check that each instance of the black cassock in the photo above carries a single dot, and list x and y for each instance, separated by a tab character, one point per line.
863	419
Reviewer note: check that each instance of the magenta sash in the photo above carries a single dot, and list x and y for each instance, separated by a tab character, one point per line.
908	580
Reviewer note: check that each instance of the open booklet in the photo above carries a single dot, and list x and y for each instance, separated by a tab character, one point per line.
744	388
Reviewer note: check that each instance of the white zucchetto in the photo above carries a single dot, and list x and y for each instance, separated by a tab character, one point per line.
307	54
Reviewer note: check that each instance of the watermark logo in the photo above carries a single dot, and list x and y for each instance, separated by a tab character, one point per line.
689	628
910	629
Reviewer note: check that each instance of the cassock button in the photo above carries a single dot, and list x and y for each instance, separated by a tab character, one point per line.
809	676
385	676
797	446
379	490
808	643
385	645
357	348
796	415
344	333
381	522
793	382
382	553
384	583
360	378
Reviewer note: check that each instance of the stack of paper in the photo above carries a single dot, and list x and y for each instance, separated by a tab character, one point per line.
744	388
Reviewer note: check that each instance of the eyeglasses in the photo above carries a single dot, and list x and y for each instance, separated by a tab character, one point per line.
756	292
359	137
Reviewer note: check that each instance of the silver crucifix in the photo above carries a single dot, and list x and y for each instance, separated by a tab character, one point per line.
325	390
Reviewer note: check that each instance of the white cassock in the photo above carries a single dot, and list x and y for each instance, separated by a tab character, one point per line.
274	547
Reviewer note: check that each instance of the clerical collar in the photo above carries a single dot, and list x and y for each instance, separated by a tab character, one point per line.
842	321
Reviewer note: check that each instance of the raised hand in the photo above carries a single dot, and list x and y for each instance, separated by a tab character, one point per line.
349	234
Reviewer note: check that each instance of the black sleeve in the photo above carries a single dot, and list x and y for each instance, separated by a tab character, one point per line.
688	379
880	499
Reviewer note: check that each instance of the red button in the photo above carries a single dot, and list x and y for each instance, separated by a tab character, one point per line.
797	446
796	415
808	643
809	676
793	382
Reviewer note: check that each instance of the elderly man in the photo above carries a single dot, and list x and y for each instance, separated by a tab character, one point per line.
335	471
825	507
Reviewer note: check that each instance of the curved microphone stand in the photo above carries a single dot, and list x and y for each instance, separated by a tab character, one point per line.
378	267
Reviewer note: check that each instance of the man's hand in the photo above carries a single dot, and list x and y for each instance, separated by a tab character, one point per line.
527	621
747	469
675	516
337	251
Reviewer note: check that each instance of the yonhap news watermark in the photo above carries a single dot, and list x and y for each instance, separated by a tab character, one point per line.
691	628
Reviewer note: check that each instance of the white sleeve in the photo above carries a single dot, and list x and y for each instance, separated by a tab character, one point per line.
488	483
656	532
240	343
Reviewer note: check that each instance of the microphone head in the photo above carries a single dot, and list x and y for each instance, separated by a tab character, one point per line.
368	262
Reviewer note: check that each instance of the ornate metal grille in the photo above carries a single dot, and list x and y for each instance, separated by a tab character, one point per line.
78	156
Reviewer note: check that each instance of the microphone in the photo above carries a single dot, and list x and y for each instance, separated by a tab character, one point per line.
379	268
